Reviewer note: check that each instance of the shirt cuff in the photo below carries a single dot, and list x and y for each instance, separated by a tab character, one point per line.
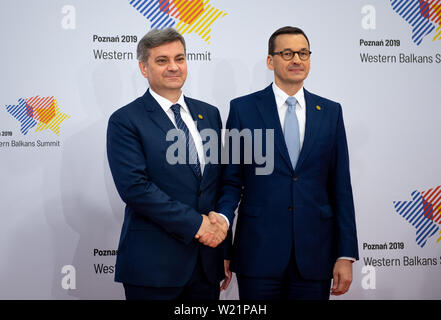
347	258
226	219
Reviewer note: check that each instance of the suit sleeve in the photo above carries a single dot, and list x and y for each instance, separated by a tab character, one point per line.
128	166
228	242
341	198
232	176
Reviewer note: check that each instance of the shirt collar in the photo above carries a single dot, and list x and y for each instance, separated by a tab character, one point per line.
166	104
281	96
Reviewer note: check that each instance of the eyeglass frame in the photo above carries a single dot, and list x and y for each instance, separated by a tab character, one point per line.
293	54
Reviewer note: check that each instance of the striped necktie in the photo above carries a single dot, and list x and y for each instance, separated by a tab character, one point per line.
193	159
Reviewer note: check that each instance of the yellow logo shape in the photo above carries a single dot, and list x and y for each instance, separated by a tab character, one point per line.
197	17
200	116
318	108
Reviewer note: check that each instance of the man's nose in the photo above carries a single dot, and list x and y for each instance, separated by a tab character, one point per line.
296	58
172	66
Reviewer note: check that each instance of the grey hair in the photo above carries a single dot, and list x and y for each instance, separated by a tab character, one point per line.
154	38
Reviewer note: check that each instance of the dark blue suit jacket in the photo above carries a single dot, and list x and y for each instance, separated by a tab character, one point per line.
310	207
164	202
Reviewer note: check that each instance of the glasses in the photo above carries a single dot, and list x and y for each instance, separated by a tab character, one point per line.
288	54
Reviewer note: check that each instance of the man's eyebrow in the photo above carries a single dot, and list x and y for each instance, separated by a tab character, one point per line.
164	56
301	49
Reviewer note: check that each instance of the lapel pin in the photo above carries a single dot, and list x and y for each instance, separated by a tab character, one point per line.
318	108
200	116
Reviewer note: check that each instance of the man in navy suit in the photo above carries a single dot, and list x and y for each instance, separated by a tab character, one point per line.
169	245
296	226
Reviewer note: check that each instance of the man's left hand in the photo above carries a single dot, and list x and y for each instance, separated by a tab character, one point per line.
342	277
228	275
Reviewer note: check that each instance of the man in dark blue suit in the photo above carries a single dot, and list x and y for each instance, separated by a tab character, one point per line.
296	228
169	245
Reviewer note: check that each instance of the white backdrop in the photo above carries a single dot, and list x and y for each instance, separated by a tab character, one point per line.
59	206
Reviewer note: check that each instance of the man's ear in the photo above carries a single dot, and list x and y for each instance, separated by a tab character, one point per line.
143	69
269	62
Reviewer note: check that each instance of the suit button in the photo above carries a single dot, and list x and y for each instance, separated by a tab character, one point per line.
290	208
199	193
294	178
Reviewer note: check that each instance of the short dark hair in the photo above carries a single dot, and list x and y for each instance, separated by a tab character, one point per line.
155	38
284	30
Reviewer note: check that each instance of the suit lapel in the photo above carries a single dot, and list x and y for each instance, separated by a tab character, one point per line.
157	114
200	118
197	113
159	117
268	109
314	118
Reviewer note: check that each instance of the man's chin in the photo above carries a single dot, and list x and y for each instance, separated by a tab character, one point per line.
175	82
295	81
175	86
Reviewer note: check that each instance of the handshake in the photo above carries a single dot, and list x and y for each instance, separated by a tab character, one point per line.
213	230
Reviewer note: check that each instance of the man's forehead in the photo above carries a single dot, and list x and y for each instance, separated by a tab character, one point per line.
168	49
291	39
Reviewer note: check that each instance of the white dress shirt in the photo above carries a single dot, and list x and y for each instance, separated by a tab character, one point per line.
191	125
282	107
188	120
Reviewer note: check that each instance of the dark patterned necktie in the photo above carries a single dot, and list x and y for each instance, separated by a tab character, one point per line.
191	147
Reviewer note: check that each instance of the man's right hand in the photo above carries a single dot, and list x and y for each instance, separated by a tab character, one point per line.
212	231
